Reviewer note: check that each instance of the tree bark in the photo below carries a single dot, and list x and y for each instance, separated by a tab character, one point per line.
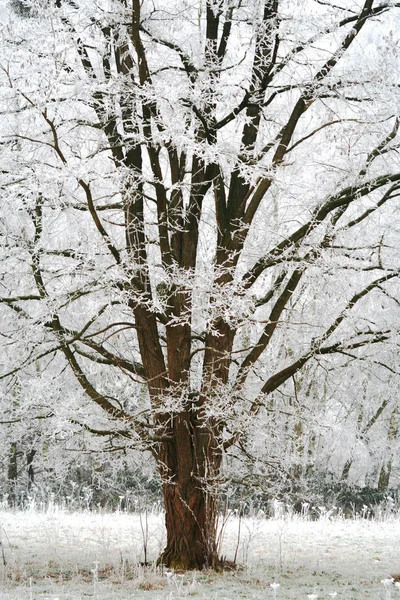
12	474
386	469
189	465
30	455
190	519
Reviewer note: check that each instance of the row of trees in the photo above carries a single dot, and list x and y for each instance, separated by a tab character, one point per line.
200	234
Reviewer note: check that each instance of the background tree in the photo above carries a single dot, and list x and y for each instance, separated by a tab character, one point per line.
198	202
20	8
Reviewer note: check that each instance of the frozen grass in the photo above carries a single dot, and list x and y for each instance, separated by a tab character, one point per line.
59	555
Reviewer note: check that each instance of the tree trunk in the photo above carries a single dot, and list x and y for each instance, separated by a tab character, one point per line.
30	455
386	469
346	470
12	474
190	519
384	476
189	466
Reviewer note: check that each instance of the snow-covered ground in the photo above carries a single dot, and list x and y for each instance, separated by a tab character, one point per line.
61	555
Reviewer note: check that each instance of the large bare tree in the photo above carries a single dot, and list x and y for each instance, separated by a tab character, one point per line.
198	200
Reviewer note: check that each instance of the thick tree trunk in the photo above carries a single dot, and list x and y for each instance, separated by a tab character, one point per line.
189	466
190	518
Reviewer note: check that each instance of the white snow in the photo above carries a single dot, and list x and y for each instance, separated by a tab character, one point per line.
61	555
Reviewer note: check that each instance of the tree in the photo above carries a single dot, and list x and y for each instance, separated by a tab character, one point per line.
20	7
198	203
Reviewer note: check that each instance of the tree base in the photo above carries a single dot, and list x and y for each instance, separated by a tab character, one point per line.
192	562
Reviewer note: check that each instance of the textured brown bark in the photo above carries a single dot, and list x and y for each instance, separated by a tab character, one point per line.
190	521
189	465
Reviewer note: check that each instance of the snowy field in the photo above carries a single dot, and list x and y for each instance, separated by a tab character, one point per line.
61	555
